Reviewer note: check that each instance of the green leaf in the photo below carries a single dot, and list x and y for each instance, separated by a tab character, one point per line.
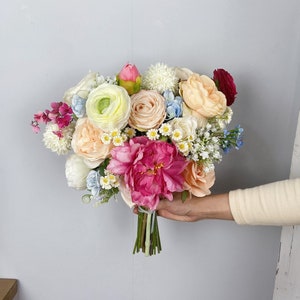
184	195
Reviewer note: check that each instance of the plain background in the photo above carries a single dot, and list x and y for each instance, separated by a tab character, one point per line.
60	248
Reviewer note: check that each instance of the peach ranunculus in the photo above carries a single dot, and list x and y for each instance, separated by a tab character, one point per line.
147	110
200	94
86	142
197	182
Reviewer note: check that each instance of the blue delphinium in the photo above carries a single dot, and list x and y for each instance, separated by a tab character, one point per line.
78	106
173	105
232	139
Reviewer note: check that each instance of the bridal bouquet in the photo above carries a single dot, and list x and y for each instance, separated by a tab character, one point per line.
144	136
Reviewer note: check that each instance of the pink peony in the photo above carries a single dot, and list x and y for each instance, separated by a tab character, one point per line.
151	170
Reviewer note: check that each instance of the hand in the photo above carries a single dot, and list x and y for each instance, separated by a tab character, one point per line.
195	209
179	210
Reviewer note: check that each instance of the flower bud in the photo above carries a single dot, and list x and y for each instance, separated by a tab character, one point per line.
129	78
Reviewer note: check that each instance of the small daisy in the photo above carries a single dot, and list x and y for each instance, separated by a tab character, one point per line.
177	135
191	138
165	129
113	180
114	133
183	147
130	132
152	134
105	182
118	140
105	138
124	137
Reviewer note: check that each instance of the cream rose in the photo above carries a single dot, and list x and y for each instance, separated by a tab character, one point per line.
187	125
147	110
108	106
187	112
183	73
87	143
83	88
197	182
200	94
76	172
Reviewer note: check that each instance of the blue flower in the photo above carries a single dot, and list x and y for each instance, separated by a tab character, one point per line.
93	183
78	106
173	105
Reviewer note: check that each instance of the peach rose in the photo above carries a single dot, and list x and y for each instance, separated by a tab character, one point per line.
197	181
200	94
86	142
147	110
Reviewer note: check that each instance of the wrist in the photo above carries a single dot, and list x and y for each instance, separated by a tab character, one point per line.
214	207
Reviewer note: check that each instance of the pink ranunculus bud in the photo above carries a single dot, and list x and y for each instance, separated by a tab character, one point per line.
129	73
225	83
130	79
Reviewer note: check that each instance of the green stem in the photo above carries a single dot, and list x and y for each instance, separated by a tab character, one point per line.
148	233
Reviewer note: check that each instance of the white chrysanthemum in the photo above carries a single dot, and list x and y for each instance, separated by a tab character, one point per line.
152	134
165	129
160	77
54	143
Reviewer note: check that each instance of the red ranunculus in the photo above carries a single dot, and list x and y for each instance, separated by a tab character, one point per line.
225	83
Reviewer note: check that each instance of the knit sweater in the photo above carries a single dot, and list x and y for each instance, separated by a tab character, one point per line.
276	204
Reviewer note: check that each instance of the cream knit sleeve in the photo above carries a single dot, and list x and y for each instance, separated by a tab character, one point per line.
275	203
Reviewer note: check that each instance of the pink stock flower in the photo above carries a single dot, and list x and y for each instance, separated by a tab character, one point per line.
151	170
61	114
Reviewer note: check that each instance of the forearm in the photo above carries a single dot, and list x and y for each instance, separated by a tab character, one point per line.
213	207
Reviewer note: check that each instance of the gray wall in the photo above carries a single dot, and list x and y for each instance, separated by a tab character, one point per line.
59	248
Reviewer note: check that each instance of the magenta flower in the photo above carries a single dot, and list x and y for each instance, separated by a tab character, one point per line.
61	114
225	83
151	170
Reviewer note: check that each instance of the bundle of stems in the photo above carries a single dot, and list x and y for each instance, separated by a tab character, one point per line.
147	239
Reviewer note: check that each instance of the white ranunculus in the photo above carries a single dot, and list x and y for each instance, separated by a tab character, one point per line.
108	107
84	87
187	125
76	172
